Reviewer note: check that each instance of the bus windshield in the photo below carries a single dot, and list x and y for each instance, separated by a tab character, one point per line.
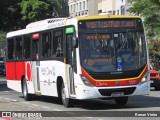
109	52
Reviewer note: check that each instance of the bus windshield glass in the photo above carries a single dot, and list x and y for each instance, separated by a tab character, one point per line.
113	51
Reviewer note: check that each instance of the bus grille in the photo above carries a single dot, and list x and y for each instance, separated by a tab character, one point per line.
108	92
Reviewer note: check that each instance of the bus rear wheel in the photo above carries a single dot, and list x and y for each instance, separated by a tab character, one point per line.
26	95
121	100
67	102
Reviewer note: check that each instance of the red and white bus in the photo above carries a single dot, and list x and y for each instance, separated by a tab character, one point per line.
90	57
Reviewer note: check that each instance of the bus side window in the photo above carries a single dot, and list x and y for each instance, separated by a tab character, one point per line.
57	50
27	47
18	52
46	45
10	47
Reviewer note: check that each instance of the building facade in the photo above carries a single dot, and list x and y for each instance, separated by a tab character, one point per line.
98	7
78	8
110	7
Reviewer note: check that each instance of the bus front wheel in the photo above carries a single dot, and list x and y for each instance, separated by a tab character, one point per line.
121	100
26	95
67	102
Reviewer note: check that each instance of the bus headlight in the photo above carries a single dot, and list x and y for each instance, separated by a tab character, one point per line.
86	81
144	79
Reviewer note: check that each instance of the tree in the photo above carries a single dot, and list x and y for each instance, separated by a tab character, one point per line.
16	14
34	10
56	7
149	10
10	17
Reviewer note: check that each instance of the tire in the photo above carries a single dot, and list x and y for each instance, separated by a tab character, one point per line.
65	101
121	100
26	95
157	88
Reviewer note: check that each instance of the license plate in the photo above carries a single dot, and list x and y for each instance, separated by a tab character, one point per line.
117	94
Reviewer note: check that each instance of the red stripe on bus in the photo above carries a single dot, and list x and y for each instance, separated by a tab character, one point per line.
15	70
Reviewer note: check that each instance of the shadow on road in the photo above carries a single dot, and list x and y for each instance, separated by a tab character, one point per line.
133	102
3	87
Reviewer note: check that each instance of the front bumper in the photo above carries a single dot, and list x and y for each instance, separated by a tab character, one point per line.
85	92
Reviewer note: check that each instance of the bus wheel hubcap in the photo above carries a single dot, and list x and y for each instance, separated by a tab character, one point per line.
63	96
24	90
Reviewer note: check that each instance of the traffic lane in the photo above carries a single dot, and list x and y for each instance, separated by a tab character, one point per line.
15	106
51	103
149	102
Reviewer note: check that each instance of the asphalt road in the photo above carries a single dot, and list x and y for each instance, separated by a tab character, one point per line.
94	109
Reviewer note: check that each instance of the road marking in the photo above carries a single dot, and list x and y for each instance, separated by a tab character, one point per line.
25	102
12	100
38	118
45	107
35	105
5	91
6	98
90	117
57	110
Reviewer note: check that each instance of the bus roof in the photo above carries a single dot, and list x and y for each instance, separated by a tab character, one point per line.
39	26
106	16
58	22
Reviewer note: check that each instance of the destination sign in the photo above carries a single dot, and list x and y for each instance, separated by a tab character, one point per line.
97	37
113	23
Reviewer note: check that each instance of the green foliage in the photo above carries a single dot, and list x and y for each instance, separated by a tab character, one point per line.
16	14
2	42
10	17
149	10
58	6
33	10
2	36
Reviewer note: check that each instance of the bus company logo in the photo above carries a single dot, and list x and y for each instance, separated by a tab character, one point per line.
100	84
46	71
28	70
132	82
56	25
117	83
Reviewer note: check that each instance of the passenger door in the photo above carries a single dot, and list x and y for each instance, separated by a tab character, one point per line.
35	62
70	65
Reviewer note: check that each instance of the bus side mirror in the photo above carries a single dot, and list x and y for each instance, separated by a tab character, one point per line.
74	42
